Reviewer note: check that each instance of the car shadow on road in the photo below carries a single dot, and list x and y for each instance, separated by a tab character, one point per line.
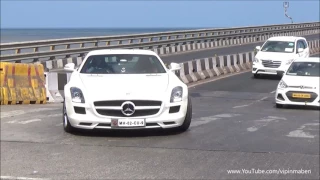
127	133
294	107
268	77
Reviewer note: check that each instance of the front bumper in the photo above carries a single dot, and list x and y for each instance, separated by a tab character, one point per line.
284	97
259	68
85	116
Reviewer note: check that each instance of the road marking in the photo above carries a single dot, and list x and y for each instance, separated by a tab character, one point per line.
12	113
29	121
227	115
21	178
264	122
299	133
60	124
54	115
273	91
205	120
21	112
23	122
245	105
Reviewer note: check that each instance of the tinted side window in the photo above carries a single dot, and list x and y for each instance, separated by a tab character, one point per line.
300	45
305	43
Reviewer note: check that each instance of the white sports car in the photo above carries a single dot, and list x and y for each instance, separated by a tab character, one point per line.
300	84
125	89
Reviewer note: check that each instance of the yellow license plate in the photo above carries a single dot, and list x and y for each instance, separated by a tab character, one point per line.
300	95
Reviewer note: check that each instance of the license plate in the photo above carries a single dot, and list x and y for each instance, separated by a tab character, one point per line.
270	71
128	122
300	95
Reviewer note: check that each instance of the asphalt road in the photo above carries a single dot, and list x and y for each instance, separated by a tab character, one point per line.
235	127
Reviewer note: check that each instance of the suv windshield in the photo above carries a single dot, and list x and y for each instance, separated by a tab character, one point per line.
304	69
122	64
278	46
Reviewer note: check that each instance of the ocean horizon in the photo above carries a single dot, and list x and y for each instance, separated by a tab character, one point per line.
33	34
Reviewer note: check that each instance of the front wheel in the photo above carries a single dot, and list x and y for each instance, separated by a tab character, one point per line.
67	127
279	105
256	76
187	121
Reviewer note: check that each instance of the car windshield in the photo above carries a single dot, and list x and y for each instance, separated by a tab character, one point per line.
304	69
122	64
278	46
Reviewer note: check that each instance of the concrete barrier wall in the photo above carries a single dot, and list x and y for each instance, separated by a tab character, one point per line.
190	72
59	63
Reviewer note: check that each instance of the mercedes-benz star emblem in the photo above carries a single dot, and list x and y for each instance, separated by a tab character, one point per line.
127	108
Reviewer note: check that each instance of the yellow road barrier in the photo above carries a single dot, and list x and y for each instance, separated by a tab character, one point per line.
22	83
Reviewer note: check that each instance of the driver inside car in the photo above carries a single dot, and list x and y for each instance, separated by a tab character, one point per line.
99	65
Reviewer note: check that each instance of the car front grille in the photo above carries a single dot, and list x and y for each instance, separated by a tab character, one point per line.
114	108
271	64
118	113
313	96
136	102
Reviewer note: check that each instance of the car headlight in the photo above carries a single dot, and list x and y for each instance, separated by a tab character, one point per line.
256	60
282	84
176	94
77	95
289	61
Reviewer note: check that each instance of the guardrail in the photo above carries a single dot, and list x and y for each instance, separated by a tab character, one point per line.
53	49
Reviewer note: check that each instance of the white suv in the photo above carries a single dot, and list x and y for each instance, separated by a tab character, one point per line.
277	53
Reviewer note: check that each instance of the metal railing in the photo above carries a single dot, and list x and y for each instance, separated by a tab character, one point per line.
51	49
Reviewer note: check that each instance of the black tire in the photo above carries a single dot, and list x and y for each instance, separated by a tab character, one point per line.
187	121
256	76
65	120
279	105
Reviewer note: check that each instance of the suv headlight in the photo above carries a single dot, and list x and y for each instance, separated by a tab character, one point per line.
176	94
282	84
256	60
289	61
77	95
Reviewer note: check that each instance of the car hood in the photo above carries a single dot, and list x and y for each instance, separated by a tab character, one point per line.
121	86
274	56
302	81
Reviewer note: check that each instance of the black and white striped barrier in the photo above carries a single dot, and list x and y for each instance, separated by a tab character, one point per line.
200	69
59	63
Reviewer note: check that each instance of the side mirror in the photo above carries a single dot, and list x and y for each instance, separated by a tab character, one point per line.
258	48
69	67
174	66
300	50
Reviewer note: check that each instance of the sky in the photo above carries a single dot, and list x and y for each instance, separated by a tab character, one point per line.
153	14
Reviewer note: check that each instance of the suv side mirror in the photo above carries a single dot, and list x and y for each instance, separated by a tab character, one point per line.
69	67
175	66
258	48
300	50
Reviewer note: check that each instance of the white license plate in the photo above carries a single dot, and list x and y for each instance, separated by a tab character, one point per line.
128	122
270	71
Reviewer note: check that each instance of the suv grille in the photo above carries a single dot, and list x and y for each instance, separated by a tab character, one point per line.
271	64
141	108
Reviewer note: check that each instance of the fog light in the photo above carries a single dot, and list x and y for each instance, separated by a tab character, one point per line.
280	97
